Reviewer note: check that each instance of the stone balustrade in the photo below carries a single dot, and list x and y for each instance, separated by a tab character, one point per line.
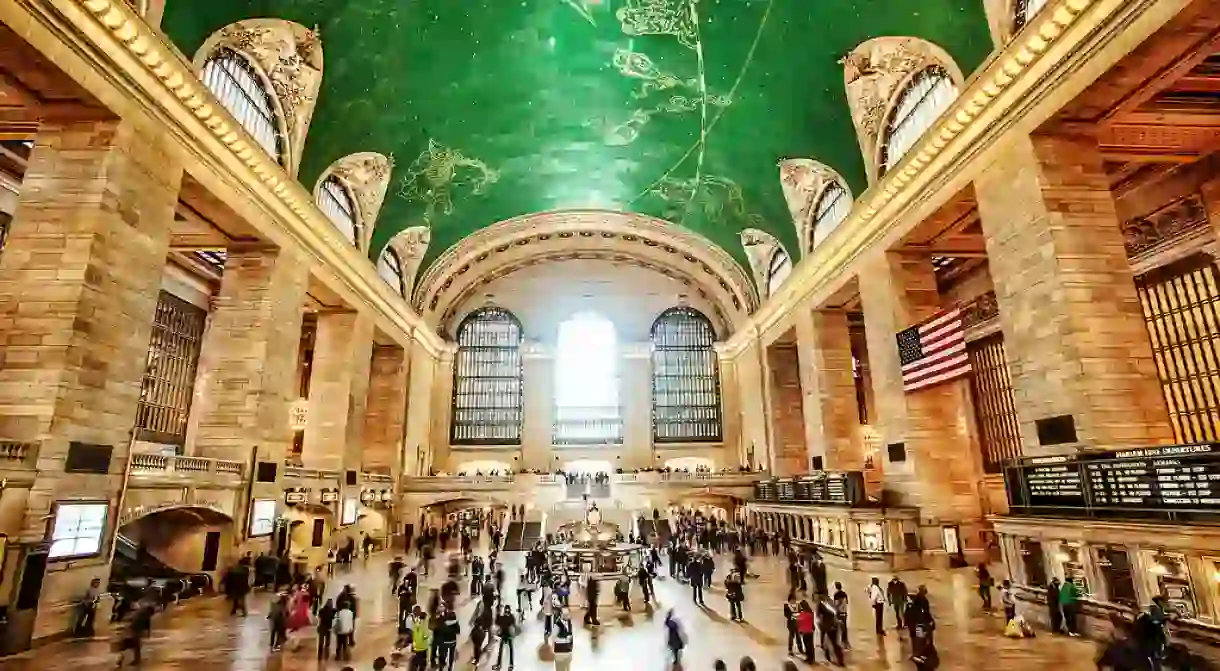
178	466
14	454
378	478
311	473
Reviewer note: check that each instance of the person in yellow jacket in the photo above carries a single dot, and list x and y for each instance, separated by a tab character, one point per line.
421	640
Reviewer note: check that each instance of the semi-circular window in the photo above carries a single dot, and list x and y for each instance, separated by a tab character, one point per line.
778	270
389	267
920	103
833	207
238	87
337	203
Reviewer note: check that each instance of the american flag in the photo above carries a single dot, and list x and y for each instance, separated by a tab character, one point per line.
934	351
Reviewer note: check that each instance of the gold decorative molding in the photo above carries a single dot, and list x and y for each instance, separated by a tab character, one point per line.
289	56
1068	38
133	69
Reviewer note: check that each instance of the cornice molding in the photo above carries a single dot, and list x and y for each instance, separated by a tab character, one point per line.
1066	37
593	231
127	60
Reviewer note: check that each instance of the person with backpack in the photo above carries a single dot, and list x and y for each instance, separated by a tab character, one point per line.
734	593
344	626
506	623
563	640
326	623
447	631
480	628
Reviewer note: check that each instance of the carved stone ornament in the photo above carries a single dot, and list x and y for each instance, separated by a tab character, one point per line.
802	181
411	244
1172	222
367	175
872	74
289	54
980	310
760	246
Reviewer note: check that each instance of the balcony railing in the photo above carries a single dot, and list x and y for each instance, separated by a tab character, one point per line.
15	454
144	464
381	478
588	426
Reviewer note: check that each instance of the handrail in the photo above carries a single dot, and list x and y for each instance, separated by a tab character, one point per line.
143	463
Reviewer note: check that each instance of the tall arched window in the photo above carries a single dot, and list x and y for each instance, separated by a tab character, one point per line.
487	393
238	87
833	207
389	266
925	97
587	407
335	200
685	378
778	270
1024	11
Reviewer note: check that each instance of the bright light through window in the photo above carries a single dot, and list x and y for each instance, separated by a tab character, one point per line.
77	530
586	382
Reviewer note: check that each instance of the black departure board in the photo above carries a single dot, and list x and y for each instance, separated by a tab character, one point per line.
1175	478
820	487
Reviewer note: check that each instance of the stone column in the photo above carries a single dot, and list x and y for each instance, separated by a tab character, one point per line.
442	407
386	416
940	473
730	412
338	391
829	388
538	370
636	398
250	356
79	281
419	410
786	410
1074	333
752	396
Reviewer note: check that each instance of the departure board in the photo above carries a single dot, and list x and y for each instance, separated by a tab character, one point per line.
819	487
1175	478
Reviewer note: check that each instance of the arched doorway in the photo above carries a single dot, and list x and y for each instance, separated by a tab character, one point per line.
175	542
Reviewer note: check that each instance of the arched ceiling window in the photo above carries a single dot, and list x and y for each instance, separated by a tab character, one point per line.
238	87
685	378
389	266
833	207
928	94
335	200
778	270
1024	11
587	410
487	380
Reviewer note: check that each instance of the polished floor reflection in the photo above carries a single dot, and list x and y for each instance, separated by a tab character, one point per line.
201	636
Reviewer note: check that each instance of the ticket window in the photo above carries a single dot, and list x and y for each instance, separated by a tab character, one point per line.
1071	560
1116	572
1173	582
1033	560
872	537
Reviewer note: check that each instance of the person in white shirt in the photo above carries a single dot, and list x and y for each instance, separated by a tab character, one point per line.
548	609
876	598
1009	601
344	627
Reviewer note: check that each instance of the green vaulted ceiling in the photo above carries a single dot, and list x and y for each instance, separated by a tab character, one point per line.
498	108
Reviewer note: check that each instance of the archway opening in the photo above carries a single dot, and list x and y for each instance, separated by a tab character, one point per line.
587	410
186	546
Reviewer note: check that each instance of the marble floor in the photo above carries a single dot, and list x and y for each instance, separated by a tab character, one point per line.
201	636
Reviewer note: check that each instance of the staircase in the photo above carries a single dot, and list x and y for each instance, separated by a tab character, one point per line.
512	537
531	534
645	529
663	531
132	563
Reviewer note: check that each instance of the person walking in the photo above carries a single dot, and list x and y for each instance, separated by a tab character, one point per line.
506	623
675	638
985	583
694	573
805	627
828	623
326	623
1008	601
563	640
344	627
897	595
421	640
876	599
447	631
1052	605
137	630
840	603
791	610
279	622
591	592
1069	601
734	593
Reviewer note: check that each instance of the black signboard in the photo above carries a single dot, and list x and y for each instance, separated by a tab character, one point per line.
820	487
1165	480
